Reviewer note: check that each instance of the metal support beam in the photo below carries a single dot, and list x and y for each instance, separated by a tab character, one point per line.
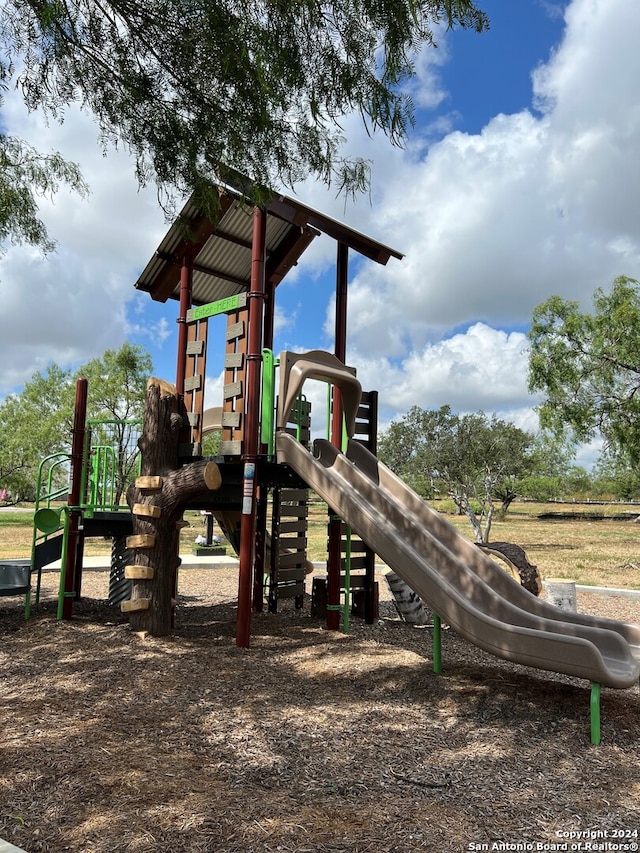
186	274
250	444
73	571
333	567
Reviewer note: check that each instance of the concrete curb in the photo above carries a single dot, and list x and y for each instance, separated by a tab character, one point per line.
189	561
5	847
605	590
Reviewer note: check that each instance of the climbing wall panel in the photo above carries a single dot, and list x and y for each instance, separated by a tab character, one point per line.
235	365
195	373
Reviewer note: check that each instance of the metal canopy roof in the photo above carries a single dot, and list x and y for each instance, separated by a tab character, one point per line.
222	251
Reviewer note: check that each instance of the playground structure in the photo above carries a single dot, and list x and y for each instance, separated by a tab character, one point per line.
455	579
89	480
229	268
268	464
232	268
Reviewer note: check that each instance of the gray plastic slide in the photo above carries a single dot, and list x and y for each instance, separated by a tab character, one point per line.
479	600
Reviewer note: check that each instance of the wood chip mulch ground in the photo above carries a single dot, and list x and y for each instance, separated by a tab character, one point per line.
310	741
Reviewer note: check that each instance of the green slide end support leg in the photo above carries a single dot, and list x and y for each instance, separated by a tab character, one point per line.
437	644
595	713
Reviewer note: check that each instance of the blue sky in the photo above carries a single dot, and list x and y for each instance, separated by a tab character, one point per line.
520	180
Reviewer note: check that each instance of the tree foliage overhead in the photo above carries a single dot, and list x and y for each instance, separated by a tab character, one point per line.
25	175
588	367
197	87
474	459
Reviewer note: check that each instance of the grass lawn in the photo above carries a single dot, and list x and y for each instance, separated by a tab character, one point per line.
595	550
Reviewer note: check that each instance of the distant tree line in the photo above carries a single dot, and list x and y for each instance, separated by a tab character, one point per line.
483	463
37	422
587	365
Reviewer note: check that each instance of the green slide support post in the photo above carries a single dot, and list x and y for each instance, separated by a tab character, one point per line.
595	713
437	644
48	521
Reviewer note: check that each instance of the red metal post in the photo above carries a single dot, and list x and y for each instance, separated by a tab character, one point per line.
335	525
252	423
269	314
73	499
186	272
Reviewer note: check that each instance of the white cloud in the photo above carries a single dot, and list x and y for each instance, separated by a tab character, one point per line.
538	203
482	368
70	306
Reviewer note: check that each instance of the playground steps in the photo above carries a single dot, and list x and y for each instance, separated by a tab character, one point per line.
364	588
290	522
289	581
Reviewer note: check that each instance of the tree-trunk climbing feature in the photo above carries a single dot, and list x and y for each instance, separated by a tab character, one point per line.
157	500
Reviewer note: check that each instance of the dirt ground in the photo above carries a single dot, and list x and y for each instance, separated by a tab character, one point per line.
310	741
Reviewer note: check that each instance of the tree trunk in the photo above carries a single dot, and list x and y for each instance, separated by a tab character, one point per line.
473	518
487	524
516	557
157	500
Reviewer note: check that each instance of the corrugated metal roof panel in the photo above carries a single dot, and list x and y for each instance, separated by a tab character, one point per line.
222	266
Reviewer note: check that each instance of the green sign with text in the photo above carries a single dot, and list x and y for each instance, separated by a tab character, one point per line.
221	306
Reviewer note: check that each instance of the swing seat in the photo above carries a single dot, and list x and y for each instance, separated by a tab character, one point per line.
15	579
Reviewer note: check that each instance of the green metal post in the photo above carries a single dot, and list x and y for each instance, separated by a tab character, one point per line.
595	713
437	644
267	420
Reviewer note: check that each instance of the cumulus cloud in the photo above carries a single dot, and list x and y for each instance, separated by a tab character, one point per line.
72	305
455	371
539	202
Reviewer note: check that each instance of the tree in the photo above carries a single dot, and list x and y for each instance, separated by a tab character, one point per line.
34	424
26	174
117	388
201	90
38	422
157	500
615	477
472	458
588	367
551	468
408	446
